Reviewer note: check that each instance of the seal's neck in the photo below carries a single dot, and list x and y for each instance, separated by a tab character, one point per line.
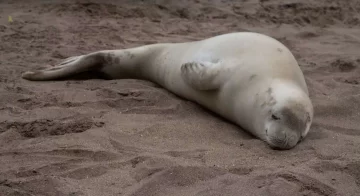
283	91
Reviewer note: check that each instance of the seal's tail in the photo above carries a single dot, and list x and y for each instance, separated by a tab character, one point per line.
68	67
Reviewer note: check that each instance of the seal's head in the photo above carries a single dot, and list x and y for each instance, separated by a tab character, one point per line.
287	125
288	116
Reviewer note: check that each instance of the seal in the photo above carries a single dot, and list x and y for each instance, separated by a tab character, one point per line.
248	78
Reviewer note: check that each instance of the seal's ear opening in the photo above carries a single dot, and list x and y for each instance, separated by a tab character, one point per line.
308	119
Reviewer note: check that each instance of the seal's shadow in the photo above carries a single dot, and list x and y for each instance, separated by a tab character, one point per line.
243	133
90	75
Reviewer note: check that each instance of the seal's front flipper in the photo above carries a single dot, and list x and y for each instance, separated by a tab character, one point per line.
202	76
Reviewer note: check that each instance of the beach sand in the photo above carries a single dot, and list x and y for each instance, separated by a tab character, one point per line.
134	138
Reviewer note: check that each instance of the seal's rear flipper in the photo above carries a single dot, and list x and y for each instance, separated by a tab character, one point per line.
202	76
68	67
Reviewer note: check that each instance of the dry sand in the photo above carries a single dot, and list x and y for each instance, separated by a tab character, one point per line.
130	137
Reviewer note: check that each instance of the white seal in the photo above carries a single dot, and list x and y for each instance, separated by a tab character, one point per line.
248	78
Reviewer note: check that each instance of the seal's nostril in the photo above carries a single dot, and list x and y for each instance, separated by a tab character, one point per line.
301	138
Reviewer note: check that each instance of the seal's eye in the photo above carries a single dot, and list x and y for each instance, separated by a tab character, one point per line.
274	117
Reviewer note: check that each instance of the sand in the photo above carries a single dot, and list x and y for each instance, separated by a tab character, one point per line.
134	138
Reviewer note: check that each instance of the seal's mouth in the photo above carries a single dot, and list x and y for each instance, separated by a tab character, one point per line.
279	144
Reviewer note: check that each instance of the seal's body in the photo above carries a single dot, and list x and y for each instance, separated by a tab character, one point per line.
249	78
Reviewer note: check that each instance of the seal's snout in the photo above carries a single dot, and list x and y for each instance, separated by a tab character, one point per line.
281	147
284	141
